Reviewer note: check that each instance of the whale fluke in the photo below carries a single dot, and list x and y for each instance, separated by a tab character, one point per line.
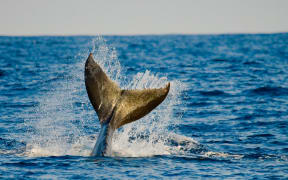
105	95
116	107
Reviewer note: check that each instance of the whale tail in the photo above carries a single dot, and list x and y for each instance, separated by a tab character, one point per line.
114	105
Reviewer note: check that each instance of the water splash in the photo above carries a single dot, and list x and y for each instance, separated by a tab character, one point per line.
61	124
147	136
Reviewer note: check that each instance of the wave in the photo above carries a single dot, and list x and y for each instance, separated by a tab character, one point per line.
2	73
220	60
252	63
260	135
213	93
269	90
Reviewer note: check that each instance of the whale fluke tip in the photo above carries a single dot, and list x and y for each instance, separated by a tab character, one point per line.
168	86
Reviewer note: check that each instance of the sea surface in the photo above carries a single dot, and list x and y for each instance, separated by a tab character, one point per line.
226	115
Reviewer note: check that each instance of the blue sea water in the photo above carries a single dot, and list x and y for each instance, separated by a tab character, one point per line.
226	115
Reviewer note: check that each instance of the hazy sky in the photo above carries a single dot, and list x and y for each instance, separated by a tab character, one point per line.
92	17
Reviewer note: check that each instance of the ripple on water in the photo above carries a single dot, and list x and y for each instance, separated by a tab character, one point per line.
228	92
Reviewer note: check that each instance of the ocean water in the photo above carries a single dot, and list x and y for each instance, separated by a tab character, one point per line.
226	115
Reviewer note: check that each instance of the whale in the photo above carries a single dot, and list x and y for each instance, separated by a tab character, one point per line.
114	106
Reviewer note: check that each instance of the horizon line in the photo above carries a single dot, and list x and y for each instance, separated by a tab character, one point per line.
142	34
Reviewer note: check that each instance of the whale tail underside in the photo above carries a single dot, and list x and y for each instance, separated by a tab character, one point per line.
114	105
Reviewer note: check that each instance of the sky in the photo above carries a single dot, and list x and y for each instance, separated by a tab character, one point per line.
131	17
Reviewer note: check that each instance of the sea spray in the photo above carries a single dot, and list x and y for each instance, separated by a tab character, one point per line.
64	122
